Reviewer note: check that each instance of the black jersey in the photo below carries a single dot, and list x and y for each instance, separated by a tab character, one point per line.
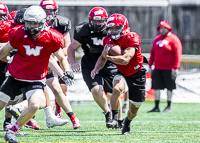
62	24
92	45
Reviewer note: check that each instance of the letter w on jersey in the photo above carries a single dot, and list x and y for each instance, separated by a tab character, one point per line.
97	41
32	51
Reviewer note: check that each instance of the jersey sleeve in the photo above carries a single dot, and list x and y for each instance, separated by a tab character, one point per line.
134	40
5	27
58	41
77	36
177	49
105	41
151	59
12	37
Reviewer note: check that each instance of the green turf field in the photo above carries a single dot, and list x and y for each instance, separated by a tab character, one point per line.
182	125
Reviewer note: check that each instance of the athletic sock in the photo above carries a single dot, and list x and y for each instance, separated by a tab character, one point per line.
115	114
127	121
48	112
169	104
157	104
70	114
7	119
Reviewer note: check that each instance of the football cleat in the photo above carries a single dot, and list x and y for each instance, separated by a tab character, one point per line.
10	137
13	111
114	124
32	124
108	117
75	121
18	133
55	121
126	128
154	110
120	124
6	126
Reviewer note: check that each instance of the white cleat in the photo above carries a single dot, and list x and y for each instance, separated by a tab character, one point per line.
55	121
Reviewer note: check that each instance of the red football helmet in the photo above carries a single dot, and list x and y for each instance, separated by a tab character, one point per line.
117	26
3	11
50	7
97	19
12	14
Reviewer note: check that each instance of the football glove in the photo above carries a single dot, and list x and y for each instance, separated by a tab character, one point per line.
68	78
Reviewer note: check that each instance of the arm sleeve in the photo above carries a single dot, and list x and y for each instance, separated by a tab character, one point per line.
177	49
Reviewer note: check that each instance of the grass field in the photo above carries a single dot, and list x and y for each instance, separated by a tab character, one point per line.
182	125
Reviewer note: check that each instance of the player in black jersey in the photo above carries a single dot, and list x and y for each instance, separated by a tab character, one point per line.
90	37
63	25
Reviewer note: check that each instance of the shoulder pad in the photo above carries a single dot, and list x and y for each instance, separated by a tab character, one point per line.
63	21
83	29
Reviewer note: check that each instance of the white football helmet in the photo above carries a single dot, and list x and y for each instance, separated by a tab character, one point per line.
34	18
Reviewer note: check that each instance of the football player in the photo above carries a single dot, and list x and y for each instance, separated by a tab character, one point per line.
90	37
59	88
35	43
131	73
15	110
5	26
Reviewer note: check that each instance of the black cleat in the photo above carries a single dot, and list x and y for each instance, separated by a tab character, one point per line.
108	117
126	128
120	124
13	111
114	124
167	110
154	110
10	137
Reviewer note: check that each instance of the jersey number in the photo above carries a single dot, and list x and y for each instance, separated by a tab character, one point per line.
32	51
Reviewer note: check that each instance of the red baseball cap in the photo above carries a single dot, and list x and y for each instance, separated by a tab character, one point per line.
165	24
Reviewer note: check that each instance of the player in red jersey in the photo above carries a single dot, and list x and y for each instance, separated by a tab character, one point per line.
35	43
166	56
63	25
5	26
131	74
15	110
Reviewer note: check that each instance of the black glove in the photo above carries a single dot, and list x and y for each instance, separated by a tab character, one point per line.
68	78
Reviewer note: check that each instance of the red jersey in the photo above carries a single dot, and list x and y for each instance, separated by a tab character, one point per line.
166	52
5	26
31	60
131	39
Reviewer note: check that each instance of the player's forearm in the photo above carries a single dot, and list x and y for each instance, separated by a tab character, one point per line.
64	64
4	52
53	65
100	63
71	55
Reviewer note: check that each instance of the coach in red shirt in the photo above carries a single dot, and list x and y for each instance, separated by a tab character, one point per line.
166	56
